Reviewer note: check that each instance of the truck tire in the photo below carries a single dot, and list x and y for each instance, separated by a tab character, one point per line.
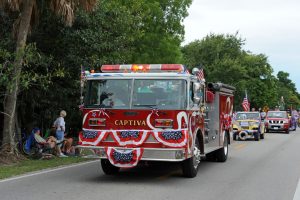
234	136
257	136
222	154
190	165
287	131
108	168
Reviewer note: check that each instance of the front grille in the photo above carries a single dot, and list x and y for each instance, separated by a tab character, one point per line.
245	127
275	121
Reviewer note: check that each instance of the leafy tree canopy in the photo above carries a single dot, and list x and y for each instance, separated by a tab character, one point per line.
224	59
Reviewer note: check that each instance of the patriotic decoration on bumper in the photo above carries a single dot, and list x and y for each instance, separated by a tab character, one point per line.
92	137
130	138
124	158
134	138
173	138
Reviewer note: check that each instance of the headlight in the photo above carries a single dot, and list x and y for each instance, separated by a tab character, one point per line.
97	122
164	123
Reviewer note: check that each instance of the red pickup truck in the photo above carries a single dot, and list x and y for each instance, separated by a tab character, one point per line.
277	121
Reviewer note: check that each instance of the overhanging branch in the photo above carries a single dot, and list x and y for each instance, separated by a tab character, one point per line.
5	114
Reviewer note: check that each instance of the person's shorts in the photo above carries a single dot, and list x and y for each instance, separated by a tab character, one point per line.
60	137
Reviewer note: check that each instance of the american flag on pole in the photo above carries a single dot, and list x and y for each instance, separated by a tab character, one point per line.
246	104
200	75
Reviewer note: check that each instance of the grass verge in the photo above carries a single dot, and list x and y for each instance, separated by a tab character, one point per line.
26	166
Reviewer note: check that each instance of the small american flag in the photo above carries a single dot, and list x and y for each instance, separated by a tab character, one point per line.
246	104
200	75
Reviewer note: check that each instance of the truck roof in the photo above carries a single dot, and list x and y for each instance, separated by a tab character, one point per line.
172	75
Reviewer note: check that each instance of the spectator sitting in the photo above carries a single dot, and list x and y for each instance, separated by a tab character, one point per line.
37	141
50	142
68	148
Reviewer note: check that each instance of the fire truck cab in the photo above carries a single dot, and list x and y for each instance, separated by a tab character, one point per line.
155	112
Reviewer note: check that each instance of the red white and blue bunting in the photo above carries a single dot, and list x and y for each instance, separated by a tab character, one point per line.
92	137
124	158
135	138
172	138
132	138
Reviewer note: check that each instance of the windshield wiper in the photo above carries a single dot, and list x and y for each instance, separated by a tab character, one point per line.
145	105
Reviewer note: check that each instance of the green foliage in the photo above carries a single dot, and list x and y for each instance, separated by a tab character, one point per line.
287	90
163	31
26	166
225	60
106	36
122	31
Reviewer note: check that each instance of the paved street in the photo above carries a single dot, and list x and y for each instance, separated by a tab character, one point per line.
268	169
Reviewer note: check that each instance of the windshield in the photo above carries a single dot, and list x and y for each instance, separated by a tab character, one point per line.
160	94
108	93
247	116
277	114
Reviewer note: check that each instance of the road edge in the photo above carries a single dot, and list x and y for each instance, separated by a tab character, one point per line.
45	171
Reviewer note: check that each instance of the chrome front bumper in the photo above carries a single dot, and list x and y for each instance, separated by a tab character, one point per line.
248	131
277	127
150	154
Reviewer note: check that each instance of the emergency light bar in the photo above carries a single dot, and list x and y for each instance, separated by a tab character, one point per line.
143	68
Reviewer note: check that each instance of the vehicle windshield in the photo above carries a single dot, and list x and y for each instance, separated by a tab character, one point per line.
247	116
158	94
161	94
277	114
108	93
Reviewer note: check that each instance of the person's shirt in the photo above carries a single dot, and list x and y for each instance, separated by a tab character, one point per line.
39	139
60	124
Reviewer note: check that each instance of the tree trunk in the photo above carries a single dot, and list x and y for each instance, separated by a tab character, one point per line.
10	102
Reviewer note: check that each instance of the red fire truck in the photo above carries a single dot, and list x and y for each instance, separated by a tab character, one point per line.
155	112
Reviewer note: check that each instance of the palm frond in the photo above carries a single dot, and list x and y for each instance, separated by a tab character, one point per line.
64	9
12	5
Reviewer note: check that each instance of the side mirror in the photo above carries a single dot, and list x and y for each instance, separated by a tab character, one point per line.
196	100
196	89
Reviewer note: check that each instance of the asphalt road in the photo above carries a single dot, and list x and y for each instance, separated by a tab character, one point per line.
267	170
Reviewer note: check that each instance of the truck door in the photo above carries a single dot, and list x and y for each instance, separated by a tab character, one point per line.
213	122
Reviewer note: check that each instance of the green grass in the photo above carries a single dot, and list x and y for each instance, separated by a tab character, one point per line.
26	166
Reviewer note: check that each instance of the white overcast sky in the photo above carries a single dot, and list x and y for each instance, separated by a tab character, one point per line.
270	27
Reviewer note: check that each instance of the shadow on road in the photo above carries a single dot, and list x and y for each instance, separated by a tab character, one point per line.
151	172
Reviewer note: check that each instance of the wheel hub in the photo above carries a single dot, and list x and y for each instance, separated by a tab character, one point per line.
197	157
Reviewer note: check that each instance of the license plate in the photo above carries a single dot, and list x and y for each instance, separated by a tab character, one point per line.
244	123
275	128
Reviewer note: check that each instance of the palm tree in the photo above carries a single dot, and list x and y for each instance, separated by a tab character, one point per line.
28	13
